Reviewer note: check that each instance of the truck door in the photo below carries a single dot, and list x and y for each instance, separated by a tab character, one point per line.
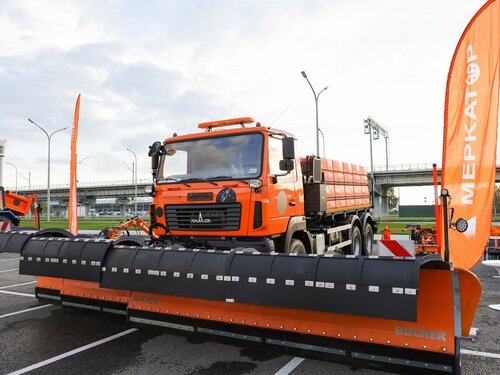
284	199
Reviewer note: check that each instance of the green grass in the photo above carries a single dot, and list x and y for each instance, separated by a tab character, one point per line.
397	227
408	220
396	224
82	224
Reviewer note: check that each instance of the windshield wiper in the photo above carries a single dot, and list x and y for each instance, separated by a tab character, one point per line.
176	180
197	179
226	177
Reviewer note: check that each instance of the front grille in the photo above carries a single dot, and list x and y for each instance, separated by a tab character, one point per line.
203	217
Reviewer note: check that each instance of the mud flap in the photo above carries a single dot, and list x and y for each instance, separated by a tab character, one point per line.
78	259
349	285
184	273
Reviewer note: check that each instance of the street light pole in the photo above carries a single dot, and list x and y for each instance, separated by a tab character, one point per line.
2	154
49	137
16	172
322	136
386	137
135	179
316	97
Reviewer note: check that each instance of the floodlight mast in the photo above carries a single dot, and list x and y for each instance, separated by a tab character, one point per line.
372	128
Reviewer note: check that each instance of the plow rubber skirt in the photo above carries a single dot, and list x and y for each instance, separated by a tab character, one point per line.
378	287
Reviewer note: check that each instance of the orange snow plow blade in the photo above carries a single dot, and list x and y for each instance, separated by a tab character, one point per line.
401	314
429	344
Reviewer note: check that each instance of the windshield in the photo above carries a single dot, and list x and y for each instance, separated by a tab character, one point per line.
230	157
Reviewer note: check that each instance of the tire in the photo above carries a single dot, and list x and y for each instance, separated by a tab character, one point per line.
296	247
130	241
356	246
53	232
368	248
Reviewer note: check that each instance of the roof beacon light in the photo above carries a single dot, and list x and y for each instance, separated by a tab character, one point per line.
233	121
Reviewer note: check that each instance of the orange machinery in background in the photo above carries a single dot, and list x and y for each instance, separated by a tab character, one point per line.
13	205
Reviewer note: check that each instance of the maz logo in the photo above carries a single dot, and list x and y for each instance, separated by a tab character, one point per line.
200	220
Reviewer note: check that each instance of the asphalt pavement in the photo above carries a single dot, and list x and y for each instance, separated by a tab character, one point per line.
41	338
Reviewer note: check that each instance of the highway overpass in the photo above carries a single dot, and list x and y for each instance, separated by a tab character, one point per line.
385	178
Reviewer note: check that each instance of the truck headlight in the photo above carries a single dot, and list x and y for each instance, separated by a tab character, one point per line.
149	190
255	184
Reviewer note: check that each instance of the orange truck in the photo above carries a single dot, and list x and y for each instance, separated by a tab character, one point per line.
250	242
245	187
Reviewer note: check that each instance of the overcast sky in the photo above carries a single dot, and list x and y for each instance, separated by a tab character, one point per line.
147	69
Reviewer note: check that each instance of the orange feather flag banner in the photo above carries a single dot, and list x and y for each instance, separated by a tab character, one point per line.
73	193
470	133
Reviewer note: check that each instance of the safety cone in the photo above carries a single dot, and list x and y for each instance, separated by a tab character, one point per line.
386	232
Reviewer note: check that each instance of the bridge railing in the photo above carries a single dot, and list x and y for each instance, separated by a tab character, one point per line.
403	167
83	184
408	167
145	181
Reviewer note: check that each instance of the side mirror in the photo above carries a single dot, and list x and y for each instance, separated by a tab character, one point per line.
154	153
286	165
288	149
154	148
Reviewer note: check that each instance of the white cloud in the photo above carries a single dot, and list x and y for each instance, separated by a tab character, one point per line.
148	69
28	27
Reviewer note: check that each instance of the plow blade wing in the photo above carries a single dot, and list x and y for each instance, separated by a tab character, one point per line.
13	241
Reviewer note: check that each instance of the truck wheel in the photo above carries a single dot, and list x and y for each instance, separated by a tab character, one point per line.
356	245
296	247
368	240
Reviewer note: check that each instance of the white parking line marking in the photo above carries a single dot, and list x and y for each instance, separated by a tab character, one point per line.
12	269
17	293
26	310
290	366
72	352
12	286
8	260
480	354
